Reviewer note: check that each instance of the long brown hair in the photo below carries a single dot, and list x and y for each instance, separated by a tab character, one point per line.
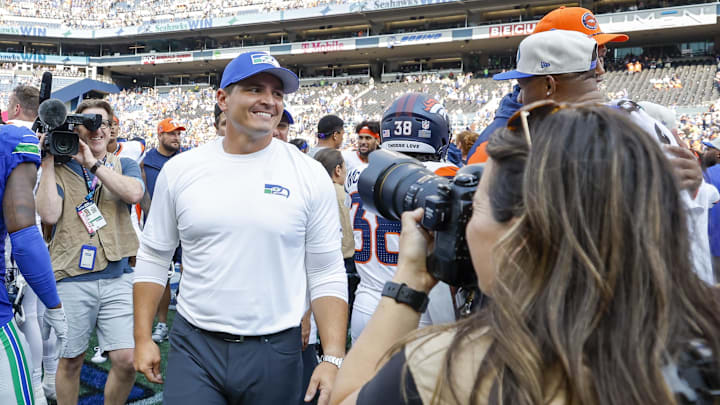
595	289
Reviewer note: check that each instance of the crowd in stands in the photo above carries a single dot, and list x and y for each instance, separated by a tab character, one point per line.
111	13
700	127
463	96
97	14
140	110
468	101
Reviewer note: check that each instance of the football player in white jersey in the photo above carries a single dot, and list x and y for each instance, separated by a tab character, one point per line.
416	125
368	139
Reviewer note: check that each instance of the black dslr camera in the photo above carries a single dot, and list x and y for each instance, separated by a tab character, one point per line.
394	183
54	121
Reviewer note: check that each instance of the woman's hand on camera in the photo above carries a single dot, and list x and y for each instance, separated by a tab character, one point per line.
412	259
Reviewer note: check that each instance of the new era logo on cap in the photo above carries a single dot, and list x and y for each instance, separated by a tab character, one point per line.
544	65
264	58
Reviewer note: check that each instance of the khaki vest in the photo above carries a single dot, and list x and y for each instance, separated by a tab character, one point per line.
114	241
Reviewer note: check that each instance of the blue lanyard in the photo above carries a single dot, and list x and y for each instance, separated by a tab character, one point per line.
91	184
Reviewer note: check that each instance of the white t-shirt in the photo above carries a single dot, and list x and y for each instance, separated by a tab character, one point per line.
697	205
134	150
245	223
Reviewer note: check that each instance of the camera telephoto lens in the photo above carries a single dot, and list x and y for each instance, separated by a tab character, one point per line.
394	183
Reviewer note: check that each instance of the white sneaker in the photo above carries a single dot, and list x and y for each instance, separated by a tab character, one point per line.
37	388
39	395
160	333
98	357
48	385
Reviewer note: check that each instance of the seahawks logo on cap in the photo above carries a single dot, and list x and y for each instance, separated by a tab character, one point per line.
589	21
259	58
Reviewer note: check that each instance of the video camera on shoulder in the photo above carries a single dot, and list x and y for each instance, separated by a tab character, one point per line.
394	183
54	121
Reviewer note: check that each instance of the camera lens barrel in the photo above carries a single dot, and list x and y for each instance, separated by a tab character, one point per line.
394	183
62	143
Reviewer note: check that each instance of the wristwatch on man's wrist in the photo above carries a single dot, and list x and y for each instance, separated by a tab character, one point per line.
95	166
403	294
337	361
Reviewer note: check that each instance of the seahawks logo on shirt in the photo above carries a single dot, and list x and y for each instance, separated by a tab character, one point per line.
274	189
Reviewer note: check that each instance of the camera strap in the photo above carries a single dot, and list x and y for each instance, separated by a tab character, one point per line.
91	185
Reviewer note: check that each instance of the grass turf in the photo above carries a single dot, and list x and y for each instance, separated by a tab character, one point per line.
93	376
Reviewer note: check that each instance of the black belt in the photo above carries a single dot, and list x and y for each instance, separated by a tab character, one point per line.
228	337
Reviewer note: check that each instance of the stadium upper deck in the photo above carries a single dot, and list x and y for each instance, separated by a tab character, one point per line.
339	39
268	21
108	14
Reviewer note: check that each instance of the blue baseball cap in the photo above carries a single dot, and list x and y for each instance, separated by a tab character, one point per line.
715	143
287	114
251	63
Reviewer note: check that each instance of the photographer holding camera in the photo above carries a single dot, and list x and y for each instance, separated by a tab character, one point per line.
577	241
86	199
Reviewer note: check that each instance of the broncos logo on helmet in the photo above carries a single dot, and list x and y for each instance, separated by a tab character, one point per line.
416	123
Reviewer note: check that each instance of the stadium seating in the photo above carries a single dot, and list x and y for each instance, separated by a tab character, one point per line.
470	102
696	80
111	13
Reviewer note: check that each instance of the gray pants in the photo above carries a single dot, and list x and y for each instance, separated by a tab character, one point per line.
205	369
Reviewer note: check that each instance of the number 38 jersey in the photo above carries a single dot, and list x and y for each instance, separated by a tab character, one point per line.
376	238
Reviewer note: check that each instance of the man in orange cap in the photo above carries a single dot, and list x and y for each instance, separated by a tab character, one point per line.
581	20
541	66
168	147
564	18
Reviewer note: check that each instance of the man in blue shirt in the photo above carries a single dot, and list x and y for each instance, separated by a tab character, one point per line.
87	200
169	132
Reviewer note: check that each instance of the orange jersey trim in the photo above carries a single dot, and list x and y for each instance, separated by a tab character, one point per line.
447	171
480	155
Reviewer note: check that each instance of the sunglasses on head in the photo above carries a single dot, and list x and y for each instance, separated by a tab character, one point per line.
537	110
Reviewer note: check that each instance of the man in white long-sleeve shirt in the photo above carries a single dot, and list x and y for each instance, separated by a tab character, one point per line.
258	224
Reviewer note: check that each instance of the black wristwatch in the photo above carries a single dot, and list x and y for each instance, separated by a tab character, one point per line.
96	166
417	300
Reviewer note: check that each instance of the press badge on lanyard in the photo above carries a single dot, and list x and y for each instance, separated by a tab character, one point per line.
88	211
87	257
